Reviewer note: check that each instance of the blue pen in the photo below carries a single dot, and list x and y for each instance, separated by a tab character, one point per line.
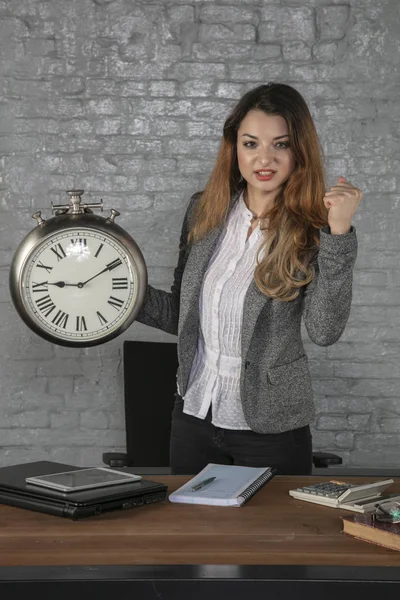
202	484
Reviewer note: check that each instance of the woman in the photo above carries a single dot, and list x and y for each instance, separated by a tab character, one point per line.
261	247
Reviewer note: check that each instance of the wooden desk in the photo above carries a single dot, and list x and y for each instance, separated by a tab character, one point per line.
274	540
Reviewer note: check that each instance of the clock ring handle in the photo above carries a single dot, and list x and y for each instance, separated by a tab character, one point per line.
76	206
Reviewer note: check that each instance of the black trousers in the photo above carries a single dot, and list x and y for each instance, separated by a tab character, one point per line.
196	442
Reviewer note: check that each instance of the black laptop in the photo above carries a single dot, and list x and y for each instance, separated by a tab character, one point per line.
74	505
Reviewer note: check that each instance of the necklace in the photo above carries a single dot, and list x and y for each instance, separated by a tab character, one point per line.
254	218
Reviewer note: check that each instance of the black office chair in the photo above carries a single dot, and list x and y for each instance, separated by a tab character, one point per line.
149	388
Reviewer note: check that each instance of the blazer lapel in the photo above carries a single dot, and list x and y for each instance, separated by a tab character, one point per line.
196	266
189	317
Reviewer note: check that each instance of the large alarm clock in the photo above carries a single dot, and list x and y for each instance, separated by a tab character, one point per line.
78	279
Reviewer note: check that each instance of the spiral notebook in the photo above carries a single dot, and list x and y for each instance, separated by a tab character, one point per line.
232	486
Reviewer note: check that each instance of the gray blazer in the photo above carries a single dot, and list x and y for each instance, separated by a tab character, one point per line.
275	381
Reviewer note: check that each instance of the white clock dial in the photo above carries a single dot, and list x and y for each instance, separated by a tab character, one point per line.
79	284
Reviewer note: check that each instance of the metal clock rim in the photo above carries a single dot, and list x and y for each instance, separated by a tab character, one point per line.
63	223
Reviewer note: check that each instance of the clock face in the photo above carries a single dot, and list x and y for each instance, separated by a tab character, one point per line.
79	285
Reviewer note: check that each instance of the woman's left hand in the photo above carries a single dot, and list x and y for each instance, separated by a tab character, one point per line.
342	201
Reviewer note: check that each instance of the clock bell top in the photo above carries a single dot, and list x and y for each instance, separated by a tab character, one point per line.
75	206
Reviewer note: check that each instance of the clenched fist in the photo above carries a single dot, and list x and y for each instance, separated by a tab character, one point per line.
342	201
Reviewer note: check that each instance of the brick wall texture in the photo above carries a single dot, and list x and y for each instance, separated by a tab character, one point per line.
126	99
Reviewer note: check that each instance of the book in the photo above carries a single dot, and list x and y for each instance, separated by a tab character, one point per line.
364	527
232	485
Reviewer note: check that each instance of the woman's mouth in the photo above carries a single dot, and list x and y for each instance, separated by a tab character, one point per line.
264	175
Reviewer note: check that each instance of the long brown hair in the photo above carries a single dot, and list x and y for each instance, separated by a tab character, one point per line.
298	211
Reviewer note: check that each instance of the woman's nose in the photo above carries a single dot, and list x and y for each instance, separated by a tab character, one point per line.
266	155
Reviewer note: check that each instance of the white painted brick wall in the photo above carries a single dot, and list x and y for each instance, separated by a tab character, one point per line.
99	94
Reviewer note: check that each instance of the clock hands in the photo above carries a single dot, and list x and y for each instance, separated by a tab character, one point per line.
112	265
62	284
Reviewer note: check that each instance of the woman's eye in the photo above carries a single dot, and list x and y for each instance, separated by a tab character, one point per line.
252	144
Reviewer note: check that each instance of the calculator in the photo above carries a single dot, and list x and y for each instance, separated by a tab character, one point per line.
340	494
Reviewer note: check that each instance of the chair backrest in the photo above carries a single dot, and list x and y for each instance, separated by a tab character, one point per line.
149	394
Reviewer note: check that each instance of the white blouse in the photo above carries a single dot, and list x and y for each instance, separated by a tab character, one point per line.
215	376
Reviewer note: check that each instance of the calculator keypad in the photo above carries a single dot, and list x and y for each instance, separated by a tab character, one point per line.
328	489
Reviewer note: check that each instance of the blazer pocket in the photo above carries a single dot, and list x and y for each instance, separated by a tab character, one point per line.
282	373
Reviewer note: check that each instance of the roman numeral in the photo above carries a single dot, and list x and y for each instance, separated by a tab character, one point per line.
60	319
60	253
115	302
81	242
99	250
40	287
42	266
46	305
115	263
81	324
102	319
120	283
